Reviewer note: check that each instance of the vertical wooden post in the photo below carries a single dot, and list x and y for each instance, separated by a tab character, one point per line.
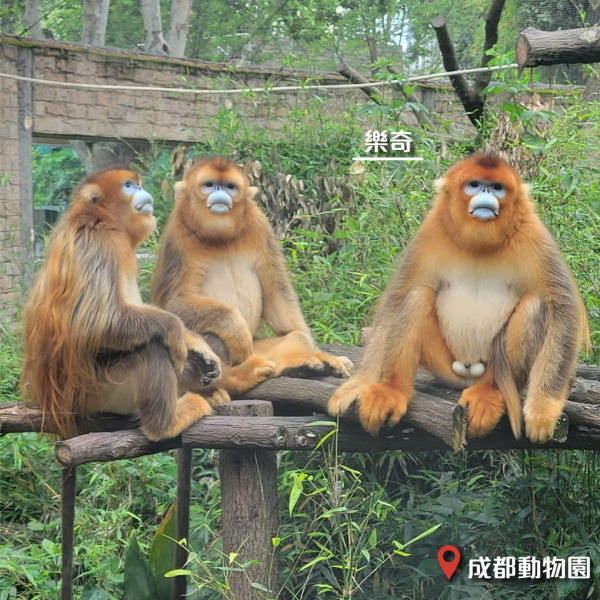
249	509
67	502
25	94
184	487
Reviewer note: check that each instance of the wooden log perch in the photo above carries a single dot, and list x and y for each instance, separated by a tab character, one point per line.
539	48
431	423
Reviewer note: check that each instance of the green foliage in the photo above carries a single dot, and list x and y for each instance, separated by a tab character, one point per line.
55	170
352	525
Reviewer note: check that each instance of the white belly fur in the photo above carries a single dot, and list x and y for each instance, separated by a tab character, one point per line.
472	308
236	284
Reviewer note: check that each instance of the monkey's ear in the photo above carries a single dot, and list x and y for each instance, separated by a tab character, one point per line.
440	184
252	191
180	189
91	193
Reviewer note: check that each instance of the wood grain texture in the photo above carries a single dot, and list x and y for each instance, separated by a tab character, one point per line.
249	508
542	48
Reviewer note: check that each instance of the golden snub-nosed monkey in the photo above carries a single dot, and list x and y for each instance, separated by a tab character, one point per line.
90	344
222	271
483	300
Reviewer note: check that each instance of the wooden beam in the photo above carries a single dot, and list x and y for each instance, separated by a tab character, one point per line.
67	508
249	508
541	48
184	495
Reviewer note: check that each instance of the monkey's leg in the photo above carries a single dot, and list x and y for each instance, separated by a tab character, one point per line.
212	319
513	351
296	355
163	414
542	342
384	384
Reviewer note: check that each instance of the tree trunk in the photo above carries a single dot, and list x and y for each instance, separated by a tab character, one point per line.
536	48
95	19
179	26
154	42
100	155
591	93
31	20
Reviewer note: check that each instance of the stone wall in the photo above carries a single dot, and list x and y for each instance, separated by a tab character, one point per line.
9	181
33	112
39	113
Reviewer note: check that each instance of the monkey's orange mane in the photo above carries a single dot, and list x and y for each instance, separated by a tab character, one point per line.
67	311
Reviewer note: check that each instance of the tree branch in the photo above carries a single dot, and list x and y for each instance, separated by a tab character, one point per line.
354	76
472	103
492	21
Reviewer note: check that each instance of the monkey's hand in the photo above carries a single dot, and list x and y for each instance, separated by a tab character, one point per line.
202	361
237	337
541	418
378	403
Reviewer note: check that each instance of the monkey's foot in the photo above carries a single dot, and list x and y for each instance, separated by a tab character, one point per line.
541	421
485	409
381	403
318	364
207	365
249	374
378	403
189	408
217	397
339	366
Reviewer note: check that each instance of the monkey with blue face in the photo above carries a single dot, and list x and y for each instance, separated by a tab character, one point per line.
484	301
91	345
222	270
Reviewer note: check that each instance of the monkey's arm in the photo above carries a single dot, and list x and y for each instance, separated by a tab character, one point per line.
208	316
103	314
281	308
542	340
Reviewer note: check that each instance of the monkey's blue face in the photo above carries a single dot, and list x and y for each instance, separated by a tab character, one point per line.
485	196
219	195
141	200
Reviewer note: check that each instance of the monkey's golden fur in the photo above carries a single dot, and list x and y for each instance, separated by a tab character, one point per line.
91	345
224	273
496	291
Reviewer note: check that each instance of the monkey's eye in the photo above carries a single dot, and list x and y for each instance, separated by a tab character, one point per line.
231	189
473	187
209	184
130	187
498	190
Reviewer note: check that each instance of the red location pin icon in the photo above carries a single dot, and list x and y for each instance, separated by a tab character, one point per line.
449	567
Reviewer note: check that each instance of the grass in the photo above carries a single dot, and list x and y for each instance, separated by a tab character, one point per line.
350	513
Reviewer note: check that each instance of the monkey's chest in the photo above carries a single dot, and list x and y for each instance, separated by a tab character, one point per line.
236	284
471	310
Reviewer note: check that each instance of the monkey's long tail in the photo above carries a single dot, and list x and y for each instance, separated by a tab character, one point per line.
503	376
